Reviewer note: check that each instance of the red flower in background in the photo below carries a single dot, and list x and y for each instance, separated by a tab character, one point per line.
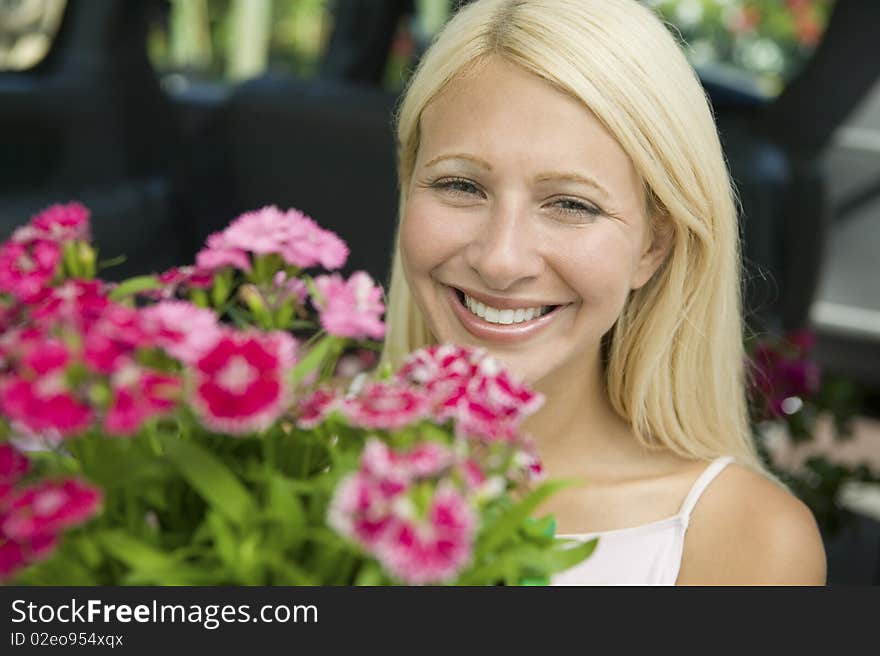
782	369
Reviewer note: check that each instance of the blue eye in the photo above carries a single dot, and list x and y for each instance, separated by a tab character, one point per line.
572	206
457	186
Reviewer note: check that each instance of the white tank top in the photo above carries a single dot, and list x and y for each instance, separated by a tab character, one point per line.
649	554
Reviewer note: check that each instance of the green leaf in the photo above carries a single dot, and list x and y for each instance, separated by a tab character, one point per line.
506	525
285	508
133	552
211	479
313	358
370	574
134	286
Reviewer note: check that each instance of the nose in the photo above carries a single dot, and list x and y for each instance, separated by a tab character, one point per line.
505	252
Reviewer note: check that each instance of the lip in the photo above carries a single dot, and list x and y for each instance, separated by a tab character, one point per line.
514	332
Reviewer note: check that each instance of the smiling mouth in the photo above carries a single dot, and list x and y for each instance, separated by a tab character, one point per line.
503	317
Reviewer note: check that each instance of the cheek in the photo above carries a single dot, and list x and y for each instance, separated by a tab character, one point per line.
427	239
598	269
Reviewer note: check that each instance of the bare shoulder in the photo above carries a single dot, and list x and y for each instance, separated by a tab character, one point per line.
746	530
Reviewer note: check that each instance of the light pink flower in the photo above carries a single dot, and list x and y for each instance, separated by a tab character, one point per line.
182	329
48	508
287	288
291	234
308	244
216	256
386	406
240	384
350	308
27	269
433	549
261	231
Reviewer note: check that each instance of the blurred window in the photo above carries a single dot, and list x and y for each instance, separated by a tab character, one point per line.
27	30
761	43
232	40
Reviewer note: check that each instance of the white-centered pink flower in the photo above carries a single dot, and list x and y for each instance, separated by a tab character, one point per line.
386	406
239	385
433	549
382	507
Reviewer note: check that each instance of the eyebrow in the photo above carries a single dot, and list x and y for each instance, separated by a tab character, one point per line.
483	164
573	177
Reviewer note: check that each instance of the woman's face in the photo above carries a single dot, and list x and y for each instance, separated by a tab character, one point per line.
524	227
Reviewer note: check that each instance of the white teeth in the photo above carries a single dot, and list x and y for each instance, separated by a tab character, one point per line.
494	315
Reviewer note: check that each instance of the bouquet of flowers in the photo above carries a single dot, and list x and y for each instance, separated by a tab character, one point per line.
202	427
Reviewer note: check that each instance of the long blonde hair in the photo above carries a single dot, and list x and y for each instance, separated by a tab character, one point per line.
674	361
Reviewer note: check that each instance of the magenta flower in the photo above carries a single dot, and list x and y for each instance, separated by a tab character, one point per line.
62	223
113	338
386	406
382	508
240	384
350	308
77	303
484	400
27	269
440	365
138	395
782	370
182	329
48	508
16	555
315	407
36	393
13	466
433	549
44	405
424	460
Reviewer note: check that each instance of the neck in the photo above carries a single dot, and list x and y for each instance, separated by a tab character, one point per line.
577	425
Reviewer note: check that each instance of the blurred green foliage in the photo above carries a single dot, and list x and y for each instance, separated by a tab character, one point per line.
762	41
767	40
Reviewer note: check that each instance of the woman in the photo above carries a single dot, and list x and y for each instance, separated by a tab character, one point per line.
565	205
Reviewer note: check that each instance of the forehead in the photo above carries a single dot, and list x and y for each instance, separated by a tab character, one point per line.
504	114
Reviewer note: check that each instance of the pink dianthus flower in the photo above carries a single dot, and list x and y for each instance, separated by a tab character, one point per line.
240	384
350	308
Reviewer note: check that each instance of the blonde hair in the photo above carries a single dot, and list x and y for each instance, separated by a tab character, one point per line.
674	361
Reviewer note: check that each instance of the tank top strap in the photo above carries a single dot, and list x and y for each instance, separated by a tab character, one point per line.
701	483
